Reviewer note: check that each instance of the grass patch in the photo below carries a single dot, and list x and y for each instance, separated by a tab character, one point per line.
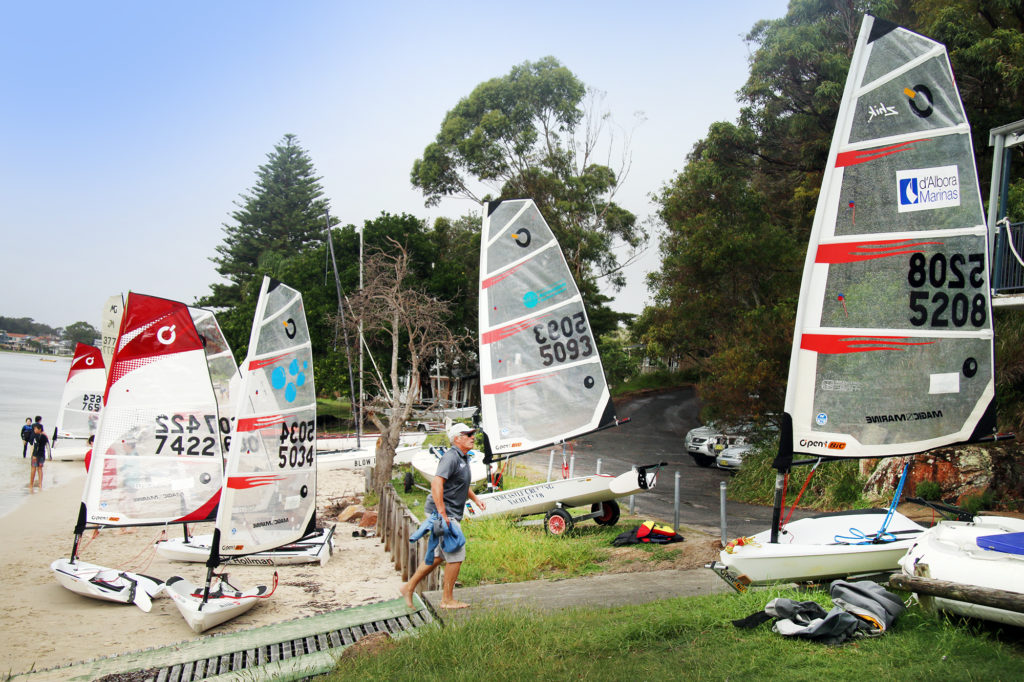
691	638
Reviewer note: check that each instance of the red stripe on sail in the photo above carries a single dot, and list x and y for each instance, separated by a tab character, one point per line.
247	482
833	344
507	331
852	252
491	281
259	423
204	512
86	358
855	157
259	364
511	384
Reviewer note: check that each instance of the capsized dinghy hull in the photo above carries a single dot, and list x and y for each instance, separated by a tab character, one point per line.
807	549
951	551
317	547
108	584
223	604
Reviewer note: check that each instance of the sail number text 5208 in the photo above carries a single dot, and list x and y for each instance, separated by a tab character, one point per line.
565	339
296	447
953	304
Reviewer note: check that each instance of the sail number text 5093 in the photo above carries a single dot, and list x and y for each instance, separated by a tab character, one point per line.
565	339
296	447
953	305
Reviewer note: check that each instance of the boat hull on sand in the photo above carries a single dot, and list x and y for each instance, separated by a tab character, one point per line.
107	584
315	548
950	552
70	449
565	493
223	604
808	551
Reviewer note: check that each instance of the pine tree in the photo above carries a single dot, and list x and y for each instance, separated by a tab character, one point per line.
281	216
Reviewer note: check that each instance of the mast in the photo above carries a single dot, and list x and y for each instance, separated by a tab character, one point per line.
341	311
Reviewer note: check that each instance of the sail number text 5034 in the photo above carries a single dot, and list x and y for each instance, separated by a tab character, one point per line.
296	447
953	305
564	339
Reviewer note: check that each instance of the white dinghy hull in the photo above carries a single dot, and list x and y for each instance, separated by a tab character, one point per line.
315	548
107	584
950	552
425	462
223	604
807	549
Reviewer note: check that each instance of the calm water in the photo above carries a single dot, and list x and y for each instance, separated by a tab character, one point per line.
29	386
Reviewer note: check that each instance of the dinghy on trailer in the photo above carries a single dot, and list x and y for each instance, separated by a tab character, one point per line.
269	494
156	457
892	350
80	404
541	378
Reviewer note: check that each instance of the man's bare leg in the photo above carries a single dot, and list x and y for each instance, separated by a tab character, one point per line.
422	571
451	574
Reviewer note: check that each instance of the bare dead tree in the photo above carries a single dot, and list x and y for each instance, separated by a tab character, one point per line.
396	317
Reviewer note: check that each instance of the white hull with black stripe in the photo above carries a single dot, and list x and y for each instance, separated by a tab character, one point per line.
108	584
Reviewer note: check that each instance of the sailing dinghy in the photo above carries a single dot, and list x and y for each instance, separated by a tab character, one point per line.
318	546
542	382
156	457
269	494
892	351
80	404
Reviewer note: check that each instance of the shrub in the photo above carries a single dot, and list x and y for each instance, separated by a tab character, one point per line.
928	490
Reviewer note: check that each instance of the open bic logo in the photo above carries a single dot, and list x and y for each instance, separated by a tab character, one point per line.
922	189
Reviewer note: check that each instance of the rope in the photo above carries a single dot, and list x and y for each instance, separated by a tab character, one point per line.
81	547
1005	222
800	494
141	561
858	537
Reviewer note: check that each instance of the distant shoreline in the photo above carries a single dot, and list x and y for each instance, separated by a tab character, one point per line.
32	352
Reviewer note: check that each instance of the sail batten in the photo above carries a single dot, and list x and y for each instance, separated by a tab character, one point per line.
892	350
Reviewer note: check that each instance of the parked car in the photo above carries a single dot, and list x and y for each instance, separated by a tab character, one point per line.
698	444
731	458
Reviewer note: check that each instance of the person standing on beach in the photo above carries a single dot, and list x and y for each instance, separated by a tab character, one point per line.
26	436
39	448
448	492
39	423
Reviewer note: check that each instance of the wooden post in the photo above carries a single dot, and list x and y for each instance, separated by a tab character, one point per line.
972	594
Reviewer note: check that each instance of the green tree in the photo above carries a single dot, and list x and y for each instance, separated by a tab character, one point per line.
281	217
81	332
531	134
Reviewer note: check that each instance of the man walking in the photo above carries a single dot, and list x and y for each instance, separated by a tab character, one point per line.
448	492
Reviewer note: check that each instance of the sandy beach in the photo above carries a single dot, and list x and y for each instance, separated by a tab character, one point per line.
46	625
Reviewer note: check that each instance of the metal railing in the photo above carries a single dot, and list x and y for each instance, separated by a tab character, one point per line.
1008	259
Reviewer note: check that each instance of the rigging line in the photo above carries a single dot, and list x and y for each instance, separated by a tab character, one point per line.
800	494
1005	222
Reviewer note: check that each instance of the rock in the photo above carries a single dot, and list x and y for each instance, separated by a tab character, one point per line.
369	519
352	513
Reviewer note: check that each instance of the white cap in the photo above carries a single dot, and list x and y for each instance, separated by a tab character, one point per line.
457	428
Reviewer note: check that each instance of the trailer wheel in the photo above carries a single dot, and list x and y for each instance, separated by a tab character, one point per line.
558	522
609	513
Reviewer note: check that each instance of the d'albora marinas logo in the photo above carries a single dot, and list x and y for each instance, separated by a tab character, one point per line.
922	189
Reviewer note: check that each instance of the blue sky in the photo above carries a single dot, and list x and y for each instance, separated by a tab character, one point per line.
130	129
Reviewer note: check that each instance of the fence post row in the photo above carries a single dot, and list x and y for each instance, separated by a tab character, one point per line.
395	524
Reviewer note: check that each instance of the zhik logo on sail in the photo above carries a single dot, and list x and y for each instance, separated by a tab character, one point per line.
922	189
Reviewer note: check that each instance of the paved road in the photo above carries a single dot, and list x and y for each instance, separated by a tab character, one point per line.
659	422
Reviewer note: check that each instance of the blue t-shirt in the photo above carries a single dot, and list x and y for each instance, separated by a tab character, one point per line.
454	469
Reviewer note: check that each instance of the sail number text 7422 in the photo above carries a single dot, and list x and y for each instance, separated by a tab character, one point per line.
954	307
565	339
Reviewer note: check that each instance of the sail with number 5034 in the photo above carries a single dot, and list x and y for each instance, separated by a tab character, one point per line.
269	494
892	351
541	376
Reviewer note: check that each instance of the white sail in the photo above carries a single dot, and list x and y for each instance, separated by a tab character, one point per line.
110	323
269	495
224	373
892	350
541	377
157	455
83	395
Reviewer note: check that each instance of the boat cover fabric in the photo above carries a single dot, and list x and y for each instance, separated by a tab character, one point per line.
861	609
1008	543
